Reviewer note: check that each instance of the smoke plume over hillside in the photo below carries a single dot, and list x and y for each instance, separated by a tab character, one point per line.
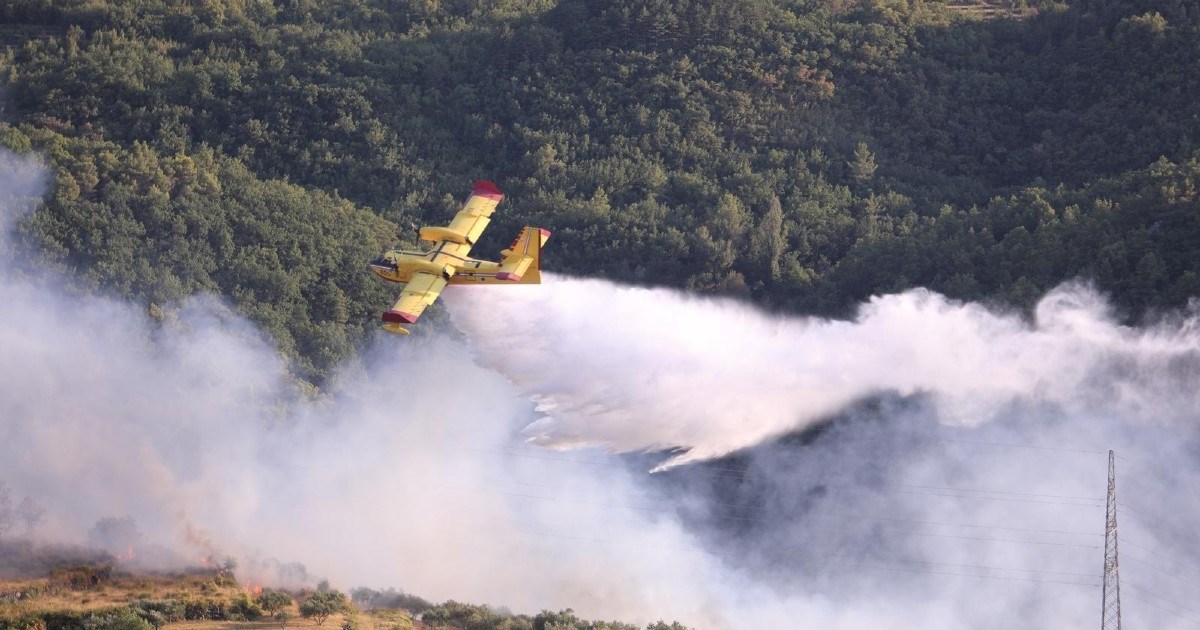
631	368
954	461
951	475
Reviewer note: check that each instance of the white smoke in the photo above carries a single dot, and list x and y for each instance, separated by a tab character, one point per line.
961	481
631	368
408	473
412	471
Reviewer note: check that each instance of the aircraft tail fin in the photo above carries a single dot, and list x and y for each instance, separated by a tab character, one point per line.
522	261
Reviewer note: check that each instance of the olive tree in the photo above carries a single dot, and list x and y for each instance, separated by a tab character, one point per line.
321	605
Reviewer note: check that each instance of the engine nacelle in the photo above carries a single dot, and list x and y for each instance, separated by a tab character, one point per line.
435	234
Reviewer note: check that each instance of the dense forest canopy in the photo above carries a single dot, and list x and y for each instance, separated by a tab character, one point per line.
801	153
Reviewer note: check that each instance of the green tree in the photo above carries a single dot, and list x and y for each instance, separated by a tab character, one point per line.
862	168
272	601
768	241
323	604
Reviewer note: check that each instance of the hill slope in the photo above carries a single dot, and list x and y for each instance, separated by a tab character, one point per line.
799	152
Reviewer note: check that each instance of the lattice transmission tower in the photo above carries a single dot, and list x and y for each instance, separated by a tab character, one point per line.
1111	604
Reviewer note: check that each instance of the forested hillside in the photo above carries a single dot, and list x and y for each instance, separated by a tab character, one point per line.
801	153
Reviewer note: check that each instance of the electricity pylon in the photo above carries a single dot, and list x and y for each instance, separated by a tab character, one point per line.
1111	604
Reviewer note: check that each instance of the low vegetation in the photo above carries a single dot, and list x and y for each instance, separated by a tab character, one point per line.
98	596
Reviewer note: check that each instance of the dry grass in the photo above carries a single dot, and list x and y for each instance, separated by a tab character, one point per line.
247	625
365	622
333	623
388	620
373	620
123	590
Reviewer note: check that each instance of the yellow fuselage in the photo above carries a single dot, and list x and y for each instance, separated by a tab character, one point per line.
399	265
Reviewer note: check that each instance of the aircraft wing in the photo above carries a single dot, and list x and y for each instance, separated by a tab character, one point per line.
419	293
477	212
470	222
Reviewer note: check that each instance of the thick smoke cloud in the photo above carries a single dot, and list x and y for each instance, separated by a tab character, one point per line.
409	473
951	459
898	505
630	368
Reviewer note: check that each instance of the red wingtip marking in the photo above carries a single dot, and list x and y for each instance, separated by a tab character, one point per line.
396	317
485	188
504	275
545	233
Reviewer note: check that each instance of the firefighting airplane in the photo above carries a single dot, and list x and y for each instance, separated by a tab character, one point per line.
426	273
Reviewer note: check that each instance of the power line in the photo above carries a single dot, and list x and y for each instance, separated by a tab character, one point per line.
1150	603
1175	561
966	525
835	560
1027	446
1162	571
987	568
963	566
937	491
1145	519
1148	593
1040	447
1008	540
1168	558
826	515
1148	550
971	575
985	498
741	473
1024	494
760	519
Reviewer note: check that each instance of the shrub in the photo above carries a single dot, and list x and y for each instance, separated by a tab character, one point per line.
81	576
120	619
245	608
159	612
